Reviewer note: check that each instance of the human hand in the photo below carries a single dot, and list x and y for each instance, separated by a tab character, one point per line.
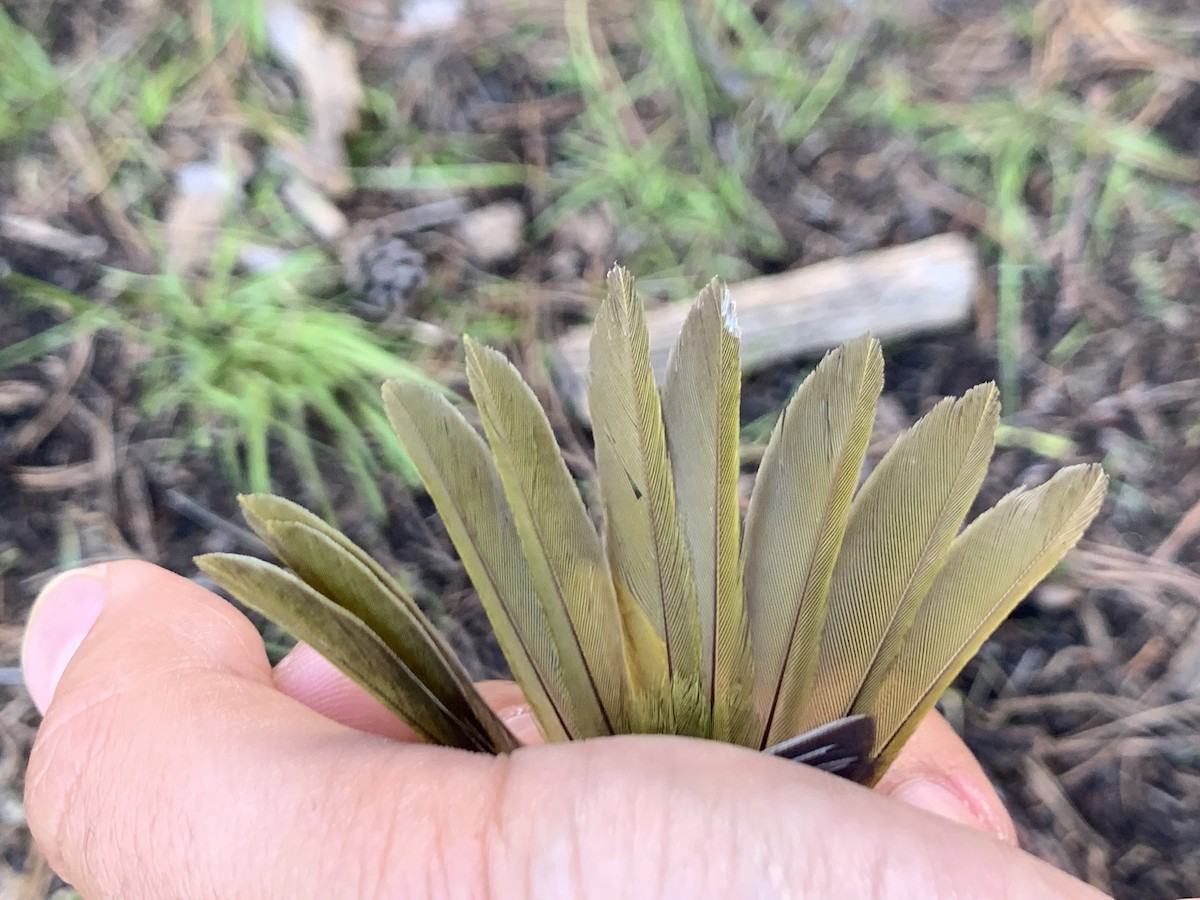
174	762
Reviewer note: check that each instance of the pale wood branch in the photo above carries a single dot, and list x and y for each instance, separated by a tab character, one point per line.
917	288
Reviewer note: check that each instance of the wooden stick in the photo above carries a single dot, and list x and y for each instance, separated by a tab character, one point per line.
901	291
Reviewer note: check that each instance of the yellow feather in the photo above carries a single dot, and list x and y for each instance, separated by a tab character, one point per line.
263	511
990	568
676	620
645	542
461	479
347	642
701	404
794	526
645	655
559	542
901	525
328	561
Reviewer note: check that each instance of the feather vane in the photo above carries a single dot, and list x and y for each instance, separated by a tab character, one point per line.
839	613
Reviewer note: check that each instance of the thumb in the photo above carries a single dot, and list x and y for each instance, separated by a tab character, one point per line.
169	764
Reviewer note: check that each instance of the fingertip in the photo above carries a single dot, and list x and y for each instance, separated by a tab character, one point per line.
508	700
127	617
937	773
134	651
61	617
68	608
309	678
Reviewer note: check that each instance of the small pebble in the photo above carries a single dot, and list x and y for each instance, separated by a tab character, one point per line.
495	233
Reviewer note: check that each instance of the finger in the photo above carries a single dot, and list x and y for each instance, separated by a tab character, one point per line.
308	677
168	764
936	772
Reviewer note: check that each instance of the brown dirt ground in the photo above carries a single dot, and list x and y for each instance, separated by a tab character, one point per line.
1085	707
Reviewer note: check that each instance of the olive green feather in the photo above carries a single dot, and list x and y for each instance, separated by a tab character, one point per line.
901	524
558	540
347	642
461	479
701	403
794	526
263	510
266	513
330	563
645	541
991	567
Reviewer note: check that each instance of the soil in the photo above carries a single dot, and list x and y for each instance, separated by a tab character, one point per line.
1085	707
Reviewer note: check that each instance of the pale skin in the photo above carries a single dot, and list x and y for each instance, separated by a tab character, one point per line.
174	762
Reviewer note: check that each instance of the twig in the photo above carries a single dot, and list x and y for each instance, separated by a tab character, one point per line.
33	432
924	286
74	142
35	233
186	506
1180	536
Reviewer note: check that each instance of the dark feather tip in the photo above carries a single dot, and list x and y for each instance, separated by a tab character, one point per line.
842	747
